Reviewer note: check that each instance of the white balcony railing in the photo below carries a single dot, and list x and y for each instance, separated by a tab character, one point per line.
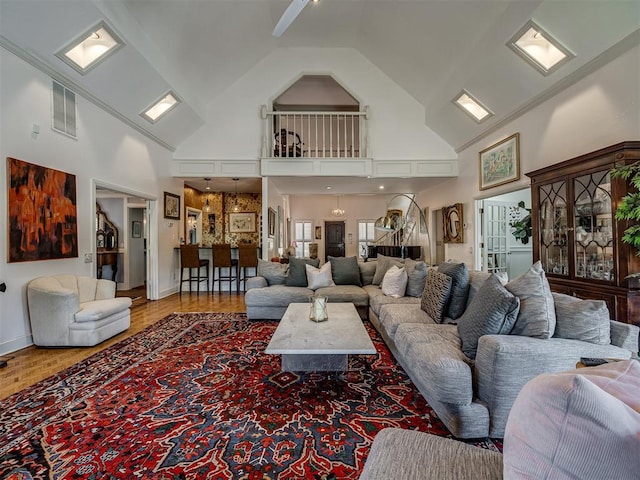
314	134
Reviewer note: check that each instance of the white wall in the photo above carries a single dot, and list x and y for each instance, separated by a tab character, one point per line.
106	150
233	128
600	110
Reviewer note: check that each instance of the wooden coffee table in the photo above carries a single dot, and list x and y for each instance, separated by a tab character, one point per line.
307	346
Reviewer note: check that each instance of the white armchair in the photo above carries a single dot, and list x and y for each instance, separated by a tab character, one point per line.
73	310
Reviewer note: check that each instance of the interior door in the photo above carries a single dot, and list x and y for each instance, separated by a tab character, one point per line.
494	233
334	239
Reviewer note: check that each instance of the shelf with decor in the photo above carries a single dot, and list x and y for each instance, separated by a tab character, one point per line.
576	235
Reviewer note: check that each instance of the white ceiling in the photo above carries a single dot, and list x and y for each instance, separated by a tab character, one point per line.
431	48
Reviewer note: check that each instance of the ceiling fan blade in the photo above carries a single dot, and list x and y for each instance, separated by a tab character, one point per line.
289	15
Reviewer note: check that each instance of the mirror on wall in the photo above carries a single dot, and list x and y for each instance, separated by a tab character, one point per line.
452	223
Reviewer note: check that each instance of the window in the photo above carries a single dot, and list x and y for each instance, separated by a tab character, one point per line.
366	235
302	237
64	110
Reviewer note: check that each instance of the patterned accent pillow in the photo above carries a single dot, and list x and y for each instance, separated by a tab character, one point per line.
435	295
493	311
274	273
459	287
537	317
384	263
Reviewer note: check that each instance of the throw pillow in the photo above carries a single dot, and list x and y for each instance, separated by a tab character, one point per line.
537	317
345	271
586	320
493	311
297	276
319	277
417	277
367	271
274	273
578	424
383	264
435	295
459	287
394	282
477	278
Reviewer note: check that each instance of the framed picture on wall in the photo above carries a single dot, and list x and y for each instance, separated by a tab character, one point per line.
244	222
171	206
272	222
136	229
500	163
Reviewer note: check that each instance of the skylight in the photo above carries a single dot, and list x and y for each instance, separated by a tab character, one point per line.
539	48
91	48
161	107
472	107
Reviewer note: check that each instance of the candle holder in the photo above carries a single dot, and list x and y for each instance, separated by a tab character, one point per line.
318	308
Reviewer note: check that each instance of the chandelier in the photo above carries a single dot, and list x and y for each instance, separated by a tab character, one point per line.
337	212
207	208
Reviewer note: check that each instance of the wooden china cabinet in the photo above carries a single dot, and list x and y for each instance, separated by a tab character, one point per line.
576	235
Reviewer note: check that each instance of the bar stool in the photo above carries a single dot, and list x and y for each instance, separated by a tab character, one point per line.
222	259
190	258
247	258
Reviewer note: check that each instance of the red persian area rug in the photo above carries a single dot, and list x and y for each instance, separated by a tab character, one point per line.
195	397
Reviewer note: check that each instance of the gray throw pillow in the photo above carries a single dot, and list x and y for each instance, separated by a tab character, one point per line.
493	311
297	276
586	320
417	273
345	271
367	271
537	317
384	263
459	287
435	295
274	273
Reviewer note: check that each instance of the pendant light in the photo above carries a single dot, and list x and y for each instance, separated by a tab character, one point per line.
207	208
337	212
236	208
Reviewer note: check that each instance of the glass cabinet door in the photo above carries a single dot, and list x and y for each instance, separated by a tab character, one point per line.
593	227
553	228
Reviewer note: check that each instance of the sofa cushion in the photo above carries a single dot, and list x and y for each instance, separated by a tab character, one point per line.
319	277
297	274
436	294
579	424
383	264
276	296
537	316
345	271
345	293
459	287
586	320
377	299
393	315
394	283
417	277
99	309
492	311
274	273
367	272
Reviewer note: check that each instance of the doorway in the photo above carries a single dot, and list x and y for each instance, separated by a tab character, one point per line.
334	239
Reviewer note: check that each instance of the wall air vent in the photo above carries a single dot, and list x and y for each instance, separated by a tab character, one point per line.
64	110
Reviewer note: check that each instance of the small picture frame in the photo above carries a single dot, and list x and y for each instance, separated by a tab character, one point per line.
318	232
136	229
272	222
171	206
500	163
243	222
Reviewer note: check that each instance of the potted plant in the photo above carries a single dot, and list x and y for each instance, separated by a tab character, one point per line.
522	227
629	206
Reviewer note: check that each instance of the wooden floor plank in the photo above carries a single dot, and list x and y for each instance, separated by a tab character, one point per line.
32	364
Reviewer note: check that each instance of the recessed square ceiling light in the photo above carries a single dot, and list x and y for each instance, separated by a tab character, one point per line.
161	107
90	48
539	48
471	106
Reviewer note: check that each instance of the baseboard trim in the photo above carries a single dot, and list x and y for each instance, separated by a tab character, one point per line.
16	344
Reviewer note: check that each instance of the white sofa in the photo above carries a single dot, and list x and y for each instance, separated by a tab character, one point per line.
73	310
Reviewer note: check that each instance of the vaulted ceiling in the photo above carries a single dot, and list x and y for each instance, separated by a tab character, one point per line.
431	48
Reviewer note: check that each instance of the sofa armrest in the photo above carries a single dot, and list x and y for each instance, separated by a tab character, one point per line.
51	310
625	335
256	282
504	363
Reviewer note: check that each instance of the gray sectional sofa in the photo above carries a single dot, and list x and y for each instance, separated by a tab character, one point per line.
470	353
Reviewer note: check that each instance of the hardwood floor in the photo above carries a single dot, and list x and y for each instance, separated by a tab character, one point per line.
32	364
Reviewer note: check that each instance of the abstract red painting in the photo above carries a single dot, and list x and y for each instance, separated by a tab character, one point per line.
42	212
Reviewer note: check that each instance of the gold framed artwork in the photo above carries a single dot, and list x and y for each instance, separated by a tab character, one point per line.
243	222
500	163
171	206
